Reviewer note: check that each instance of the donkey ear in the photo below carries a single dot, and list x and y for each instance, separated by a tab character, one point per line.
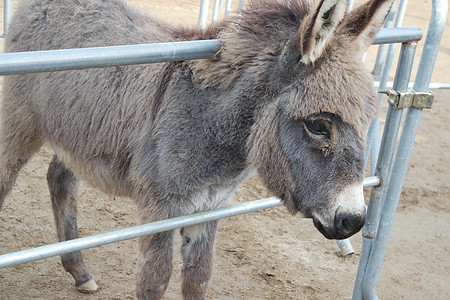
364	22
319	27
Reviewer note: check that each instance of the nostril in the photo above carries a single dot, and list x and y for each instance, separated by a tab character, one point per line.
349	224
344	225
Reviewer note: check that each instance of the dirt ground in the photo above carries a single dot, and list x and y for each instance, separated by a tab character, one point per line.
266	255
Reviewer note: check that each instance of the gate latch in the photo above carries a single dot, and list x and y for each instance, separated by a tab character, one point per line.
410	98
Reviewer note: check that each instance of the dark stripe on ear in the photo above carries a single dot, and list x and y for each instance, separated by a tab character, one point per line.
306	40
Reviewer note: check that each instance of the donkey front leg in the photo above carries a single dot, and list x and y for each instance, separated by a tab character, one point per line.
63	186
155	254
197	251
155	265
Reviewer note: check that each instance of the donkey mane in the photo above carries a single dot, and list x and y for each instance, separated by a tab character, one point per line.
253	39
259	17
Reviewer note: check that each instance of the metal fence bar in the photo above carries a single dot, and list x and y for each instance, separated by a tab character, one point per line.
390	54
12	259
385	58
382	50
7	11
432	85
397	35
69	59
215	14
406	143
373	135
227	8
350	5
384	163
241	5
390	133
16	63
382	56
203	14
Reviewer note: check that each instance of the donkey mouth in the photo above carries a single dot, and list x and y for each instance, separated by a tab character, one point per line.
321	228
344	226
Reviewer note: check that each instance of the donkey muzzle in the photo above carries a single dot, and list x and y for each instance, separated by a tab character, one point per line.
346	217
344	226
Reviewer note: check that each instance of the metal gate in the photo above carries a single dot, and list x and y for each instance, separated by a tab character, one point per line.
389	159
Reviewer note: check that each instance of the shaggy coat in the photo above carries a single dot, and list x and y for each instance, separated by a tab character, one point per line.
286	95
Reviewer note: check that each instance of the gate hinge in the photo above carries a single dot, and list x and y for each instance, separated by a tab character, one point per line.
410	98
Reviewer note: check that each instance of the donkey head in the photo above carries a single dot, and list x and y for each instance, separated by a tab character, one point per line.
308	144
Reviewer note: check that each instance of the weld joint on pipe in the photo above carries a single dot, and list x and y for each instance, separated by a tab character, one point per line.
370	235
380	183
412	42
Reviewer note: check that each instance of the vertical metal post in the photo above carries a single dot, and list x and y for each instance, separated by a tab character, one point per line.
241	5
346	247
381	55
396	180
203	15
6	15
373	139
227	8
371	231
373	135
350	5
384	163
392	47
216	10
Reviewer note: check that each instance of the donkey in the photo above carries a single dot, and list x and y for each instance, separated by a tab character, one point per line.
286	96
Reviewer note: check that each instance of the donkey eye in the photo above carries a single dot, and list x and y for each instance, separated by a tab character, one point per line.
317	127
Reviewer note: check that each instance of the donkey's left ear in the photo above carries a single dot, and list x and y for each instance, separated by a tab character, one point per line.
319	27
364	22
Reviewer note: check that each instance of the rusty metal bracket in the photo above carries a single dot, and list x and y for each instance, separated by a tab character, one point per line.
410	98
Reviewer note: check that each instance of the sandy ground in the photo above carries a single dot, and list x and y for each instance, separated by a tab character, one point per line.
267	255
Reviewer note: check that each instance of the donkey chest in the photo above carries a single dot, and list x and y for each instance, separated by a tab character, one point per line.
213	196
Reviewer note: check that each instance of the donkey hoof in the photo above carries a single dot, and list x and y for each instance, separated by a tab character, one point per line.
88	287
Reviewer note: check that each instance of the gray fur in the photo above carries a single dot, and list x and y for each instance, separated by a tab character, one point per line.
180	137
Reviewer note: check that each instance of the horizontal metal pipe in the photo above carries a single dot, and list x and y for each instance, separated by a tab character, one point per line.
371	181
70	59
12	259
432	86
24	256
398	35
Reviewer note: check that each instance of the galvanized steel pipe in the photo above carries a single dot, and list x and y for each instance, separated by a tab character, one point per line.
406	143
203	14
12	259
398	35
383	168
7	11
69	59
